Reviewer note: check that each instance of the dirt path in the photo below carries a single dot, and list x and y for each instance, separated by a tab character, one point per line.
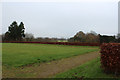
45	70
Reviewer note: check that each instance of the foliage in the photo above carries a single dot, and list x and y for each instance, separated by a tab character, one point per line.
80	36
110	57
46	39
118	35
107	39
29	37
58	43
15	32
91	37
23	54
118	40
0	38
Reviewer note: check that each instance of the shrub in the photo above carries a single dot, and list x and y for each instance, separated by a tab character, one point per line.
110	57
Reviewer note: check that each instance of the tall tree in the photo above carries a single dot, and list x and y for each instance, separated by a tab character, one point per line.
92	38
15	32
82	37
79	37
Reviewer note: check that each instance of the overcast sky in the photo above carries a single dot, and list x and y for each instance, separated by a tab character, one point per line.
62	19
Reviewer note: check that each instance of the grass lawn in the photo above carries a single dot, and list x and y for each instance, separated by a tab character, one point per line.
90	69
19	54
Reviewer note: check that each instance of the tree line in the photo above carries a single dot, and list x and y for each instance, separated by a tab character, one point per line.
17	33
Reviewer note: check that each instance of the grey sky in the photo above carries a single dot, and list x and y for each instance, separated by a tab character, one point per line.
119	17
62	19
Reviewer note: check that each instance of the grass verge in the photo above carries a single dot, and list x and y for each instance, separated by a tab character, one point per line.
90	69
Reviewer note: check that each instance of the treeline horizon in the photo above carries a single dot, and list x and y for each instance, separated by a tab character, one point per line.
17	33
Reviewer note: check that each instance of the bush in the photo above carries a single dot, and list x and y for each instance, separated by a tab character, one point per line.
110	57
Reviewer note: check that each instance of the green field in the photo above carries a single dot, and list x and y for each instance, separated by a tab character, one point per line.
19	54
90	69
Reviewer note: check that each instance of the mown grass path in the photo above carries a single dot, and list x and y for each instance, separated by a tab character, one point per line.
45	70
18	54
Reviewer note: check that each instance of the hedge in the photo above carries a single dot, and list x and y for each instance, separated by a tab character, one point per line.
110	57
58	43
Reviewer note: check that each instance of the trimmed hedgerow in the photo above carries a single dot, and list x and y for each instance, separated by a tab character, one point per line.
110	57
59	43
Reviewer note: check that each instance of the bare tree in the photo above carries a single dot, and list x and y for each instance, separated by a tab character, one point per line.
29	36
